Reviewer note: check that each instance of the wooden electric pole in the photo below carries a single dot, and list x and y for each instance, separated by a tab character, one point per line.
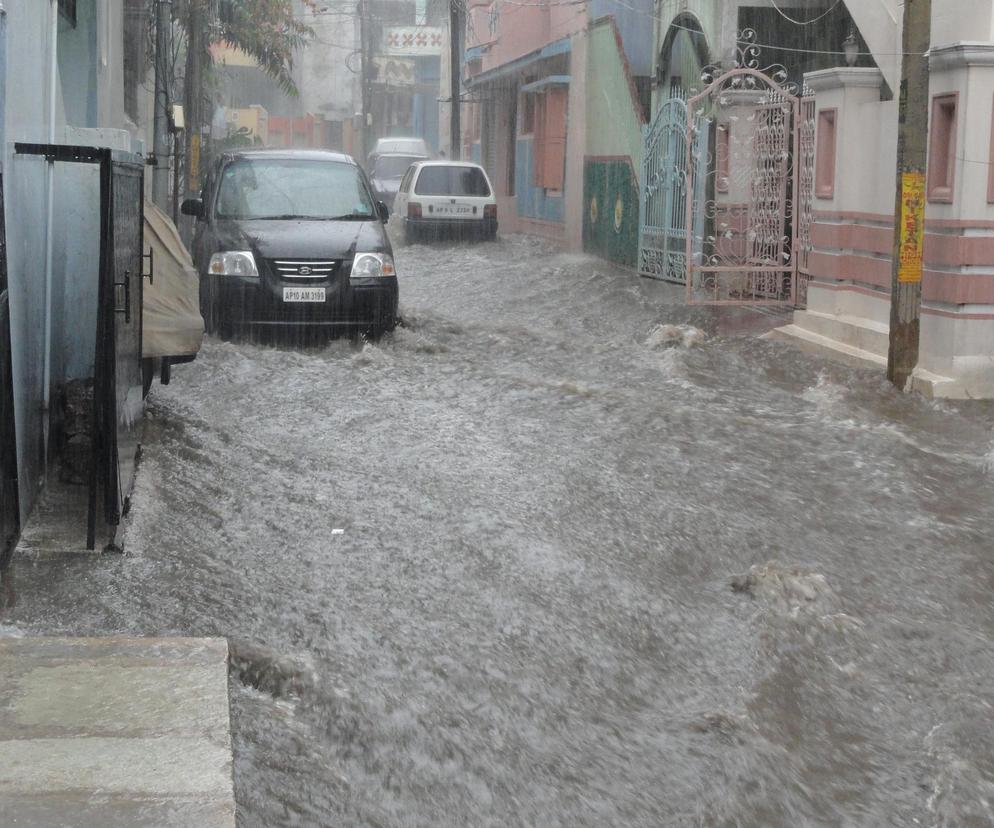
455	72
160	134
197	58
909	212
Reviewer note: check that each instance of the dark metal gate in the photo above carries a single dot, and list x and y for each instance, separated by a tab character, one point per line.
117	379
119	324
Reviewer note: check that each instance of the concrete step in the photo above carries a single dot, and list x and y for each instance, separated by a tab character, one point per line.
109	732
57	525
823	346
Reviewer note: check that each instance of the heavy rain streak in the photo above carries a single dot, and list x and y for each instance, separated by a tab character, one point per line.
498	531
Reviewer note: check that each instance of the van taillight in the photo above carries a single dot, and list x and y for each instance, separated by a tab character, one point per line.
490	211
413	210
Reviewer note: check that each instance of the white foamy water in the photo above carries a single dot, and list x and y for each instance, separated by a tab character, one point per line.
528	618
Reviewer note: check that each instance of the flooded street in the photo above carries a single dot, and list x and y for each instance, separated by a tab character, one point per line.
532	560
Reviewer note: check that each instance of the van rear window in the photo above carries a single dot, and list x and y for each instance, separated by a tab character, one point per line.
452	181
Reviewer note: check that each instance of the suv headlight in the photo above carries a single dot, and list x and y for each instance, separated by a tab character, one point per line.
373	266
233	263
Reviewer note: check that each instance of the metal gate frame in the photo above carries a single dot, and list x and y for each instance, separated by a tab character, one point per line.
117	362
663	183
776	240
679	204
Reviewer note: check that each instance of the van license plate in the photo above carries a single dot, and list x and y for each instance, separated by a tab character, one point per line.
307	294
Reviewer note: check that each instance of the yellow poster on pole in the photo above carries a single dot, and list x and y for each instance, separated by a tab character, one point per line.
193	164
912	244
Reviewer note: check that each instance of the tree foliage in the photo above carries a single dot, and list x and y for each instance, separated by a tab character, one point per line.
267	30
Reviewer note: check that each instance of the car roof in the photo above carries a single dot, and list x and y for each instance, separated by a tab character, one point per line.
292	154
410	139
442	162
402	155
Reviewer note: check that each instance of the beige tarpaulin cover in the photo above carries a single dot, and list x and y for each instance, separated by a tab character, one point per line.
171	320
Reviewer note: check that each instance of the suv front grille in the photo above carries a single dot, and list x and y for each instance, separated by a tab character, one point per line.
303	268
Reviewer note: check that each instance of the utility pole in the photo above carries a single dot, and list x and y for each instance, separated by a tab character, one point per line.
364	70
160	137
455	71
196	57
909	212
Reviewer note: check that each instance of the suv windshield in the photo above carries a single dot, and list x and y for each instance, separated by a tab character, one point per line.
289	188
454	181
393	166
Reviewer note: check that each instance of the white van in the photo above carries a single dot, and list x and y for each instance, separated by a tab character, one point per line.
445	198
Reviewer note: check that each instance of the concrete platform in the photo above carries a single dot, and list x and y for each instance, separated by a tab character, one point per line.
57	525
107	732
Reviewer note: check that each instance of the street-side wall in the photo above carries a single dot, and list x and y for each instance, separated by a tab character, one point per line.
853	233
28	43
613	150
89	94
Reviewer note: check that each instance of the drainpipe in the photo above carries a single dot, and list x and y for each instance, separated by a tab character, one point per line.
53	71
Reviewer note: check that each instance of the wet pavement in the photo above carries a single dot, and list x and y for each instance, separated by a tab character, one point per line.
533	560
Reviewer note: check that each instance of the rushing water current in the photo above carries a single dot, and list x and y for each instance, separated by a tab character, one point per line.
536	560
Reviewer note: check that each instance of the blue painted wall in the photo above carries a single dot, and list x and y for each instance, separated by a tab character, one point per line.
533	202
26	117
78	66
635	26
76	217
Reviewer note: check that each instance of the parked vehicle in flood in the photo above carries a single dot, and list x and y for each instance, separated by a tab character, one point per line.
444	199
292	238
172	326
386	173
398	146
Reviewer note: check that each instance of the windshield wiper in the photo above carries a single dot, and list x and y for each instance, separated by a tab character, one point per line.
289	216
283	217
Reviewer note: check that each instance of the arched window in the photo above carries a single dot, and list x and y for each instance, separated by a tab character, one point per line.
682	57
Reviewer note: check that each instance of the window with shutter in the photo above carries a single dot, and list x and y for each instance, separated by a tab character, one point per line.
551	156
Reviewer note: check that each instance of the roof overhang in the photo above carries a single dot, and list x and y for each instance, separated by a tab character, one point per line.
554	49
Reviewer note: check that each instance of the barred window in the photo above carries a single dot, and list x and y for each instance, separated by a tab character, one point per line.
136	22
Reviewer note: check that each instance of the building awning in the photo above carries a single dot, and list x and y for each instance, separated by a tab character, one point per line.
542	83
558	47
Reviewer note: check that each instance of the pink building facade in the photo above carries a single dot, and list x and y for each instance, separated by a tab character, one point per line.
848	308
528	72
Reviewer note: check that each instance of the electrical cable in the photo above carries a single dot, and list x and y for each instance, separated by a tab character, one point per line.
790	19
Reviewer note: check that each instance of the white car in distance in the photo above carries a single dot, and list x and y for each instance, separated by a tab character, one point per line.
442	199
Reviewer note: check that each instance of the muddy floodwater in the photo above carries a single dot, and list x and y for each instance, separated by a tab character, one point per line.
535	560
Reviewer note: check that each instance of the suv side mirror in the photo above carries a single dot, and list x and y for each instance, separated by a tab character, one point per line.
383	211
193	207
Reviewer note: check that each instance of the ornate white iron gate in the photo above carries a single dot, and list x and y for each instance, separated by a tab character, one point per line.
750	231
727	188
